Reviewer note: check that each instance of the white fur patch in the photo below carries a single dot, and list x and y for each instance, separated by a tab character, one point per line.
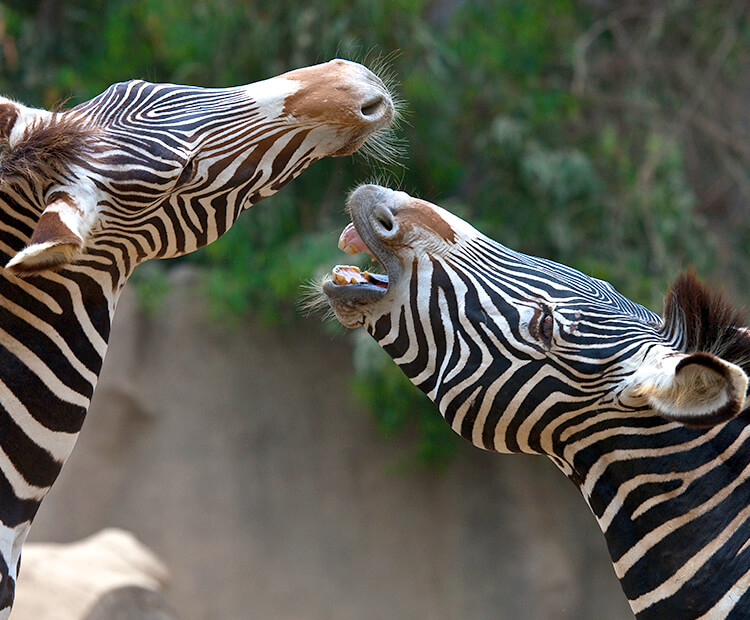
701	386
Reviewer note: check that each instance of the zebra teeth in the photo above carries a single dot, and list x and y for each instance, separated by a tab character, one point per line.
344	275
347	274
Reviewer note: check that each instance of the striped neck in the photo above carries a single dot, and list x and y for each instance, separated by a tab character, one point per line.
673	504
50	366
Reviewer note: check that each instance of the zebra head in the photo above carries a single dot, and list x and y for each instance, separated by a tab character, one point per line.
521	354
158	170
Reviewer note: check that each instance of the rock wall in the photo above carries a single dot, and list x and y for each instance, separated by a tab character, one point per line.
238	456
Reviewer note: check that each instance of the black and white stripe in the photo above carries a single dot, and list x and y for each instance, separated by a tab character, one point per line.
141	171
521	354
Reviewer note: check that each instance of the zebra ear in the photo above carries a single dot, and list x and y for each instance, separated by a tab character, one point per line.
59	236
696	389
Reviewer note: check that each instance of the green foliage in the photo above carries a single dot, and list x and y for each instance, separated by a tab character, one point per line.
501	128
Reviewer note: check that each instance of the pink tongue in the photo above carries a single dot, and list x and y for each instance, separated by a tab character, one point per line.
350	241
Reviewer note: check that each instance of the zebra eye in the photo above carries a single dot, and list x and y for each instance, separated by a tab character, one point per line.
546	327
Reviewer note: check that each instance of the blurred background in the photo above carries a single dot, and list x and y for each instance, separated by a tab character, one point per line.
283	468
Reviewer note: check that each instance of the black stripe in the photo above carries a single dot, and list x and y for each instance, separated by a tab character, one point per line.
709	584
38	399
420	347
382	327
35	464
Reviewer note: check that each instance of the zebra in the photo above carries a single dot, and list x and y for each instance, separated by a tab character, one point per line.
646	415
141	171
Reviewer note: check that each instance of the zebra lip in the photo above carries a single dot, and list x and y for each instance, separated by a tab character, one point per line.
358	293
378	279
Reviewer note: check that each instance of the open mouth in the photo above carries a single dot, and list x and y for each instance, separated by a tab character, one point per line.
350	282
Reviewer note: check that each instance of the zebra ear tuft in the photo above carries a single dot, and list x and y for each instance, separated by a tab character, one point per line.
696	389
59	237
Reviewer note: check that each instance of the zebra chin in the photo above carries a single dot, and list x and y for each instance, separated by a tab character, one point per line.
351	303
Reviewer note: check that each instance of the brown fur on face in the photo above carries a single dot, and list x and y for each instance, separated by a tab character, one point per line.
48	149
326	95
706	321
420	214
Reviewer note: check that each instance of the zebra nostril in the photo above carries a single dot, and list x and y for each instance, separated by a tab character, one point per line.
384	221
373	107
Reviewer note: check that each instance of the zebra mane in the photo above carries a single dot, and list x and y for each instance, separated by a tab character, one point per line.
47	149
700	318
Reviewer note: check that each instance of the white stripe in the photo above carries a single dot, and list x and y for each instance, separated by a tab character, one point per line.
684	478
21	488
598	469
57	443
42	297
55	337
79	308
727	602
646	543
